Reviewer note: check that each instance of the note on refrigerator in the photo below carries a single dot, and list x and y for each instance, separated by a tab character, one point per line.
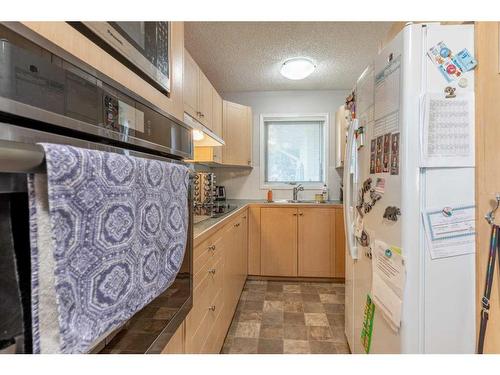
388	281
448	130
450	231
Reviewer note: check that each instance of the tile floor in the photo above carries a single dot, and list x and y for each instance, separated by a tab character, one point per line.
288	317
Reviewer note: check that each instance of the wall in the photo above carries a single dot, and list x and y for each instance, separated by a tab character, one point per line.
66	37
246	183
487	162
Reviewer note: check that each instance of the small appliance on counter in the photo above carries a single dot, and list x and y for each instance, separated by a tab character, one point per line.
220	193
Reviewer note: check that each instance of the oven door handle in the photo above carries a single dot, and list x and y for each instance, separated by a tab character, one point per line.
18	157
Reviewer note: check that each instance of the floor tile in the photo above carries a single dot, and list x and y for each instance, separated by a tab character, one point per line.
288	317
313	307
273	306
316	319
310	297
294	318
296	347
274	331
253	306
293	306
295	332
248	330
274	296
292	297
272	317
242	345
250	317
291	288
322	347
334	308
268	346
319	333
274	287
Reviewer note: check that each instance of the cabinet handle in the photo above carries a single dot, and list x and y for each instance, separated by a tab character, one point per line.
301	214
212	308
211	248
294	214
237	224
198	113
202	115
212	271
244	217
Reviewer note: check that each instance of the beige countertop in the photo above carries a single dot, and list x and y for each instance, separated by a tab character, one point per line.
204	228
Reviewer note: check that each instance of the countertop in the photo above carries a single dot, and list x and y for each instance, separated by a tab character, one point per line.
204	227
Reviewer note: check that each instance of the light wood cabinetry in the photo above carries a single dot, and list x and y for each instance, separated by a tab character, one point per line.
198	92
278	241
296	241
237	133
315	242
176	345
220	271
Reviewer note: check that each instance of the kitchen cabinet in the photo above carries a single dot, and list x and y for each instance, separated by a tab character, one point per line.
237	133
278	241
198	92
176	344
303	241
220	271
315	242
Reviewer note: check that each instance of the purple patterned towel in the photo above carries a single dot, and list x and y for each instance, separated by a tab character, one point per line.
108	234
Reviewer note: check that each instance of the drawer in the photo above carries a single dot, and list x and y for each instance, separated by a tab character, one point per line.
202	270
196	338
204	248
215	340
204	295
207	251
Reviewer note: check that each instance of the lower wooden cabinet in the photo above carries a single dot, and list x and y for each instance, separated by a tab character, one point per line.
298	241
278	241
220	271
176	345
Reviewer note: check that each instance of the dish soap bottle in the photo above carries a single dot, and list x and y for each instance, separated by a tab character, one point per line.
325	193
270	195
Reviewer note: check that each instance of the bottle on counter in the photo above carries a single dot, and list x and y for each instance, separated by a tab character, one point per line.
270	195
325	193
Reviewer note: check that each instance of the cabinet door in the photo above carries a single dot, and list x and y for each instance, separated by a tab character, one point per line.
278	241
315	242
216	113
176	344
205	101
339	245
243	250
190	86
236	132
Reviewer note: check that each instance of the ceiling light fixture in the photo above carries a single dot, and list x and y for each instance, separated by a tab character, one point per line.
297	68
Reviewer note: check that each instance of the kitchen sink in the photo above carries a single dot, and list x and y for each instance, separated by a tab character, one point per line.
305	201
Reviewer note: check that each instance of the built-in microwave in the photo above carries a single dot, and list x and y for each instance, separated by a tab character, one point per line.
144	45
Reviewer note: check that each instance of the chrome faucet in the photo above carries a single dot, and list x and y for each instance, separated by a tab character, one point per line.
296	190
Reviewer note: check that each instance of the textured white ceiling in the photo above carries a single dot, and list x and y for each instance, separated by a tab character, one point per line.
246	56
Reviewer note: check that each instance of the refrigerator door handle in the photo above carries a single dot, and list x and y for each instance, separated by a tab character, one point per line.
348	212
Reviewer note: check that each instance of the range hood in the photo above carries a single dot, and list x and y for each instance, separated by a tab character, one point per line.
202	136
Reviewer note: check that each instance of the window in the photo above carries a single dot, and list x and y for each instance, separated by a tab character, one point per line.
293	150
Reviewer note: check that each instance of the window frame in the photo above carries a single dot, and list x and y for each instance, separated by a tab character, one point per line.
288	117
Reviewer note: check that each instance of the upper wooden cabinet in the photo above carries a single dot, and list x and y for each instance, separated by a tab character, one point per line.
198	93
237	133
216	113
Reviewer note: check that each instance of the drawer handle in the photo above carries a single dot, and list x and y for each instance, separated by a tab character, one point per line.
294	214
211	248
237	224
301	214
212	308
244	217
212	271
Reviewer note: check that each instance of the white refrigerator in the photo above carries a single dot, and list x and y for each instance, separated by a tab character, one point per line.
438	313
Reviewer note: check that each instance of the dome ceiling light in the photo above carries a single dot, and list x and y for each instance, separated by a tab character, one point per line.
297	68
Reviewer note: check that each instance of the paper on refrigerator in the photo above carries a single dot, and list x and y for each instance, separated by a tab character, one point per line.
448	130
450	231
388	281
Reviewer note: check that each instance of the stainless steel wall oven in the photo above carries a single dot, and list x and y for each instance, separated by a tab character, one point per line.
47	95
